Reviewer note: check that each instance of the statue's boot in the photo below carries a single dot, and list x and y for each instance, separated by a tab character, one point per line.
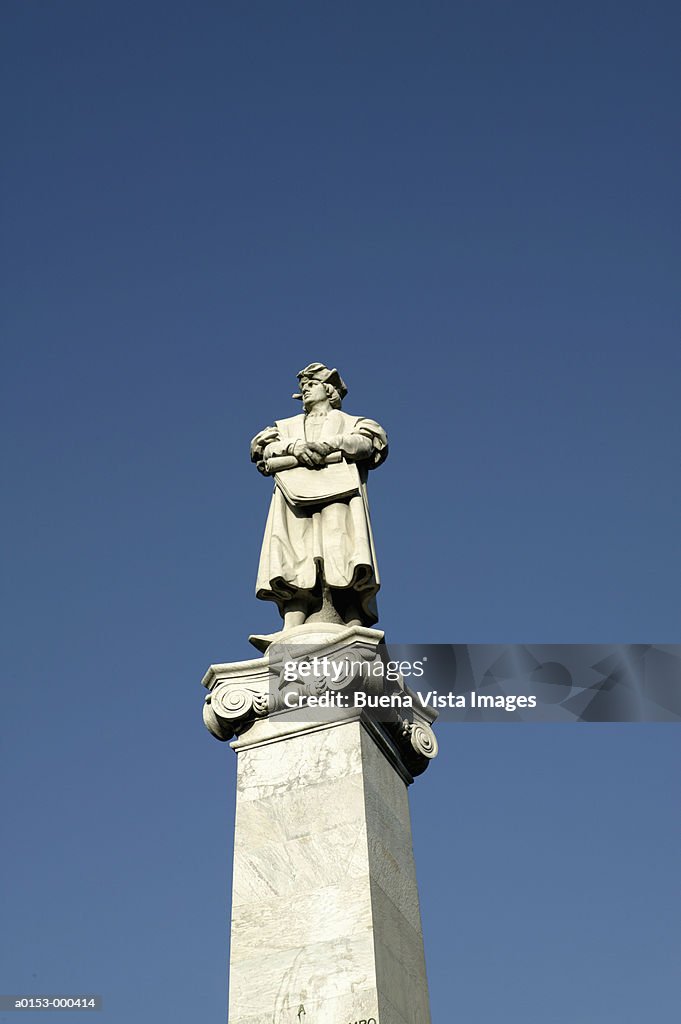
261	641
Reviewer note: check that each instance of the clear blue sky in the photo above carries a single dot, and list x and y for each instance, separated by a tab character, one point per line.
472	209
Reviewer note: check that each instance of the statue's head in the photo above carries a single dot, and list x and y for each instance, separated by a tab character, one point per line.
330	380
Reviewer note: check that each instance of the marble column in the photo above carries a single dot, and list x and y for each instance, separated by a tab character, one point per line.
325	915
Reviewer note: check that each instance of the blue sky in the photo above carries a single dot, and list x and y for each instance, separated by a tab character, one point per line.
472	210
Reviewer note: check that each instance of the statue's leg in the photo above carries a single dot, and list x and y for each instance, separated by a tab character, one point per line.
295	612
347	606
352	615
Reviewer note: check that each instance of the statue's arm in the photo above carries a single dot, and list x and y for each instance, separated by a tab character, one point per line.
267	445
367	441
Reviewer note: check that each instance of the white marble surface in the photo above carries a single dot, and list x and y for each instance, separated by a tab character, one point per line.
318	530
325	909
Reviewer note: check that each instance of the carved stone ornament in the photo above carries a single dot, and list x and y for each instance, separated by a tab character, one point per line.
253	700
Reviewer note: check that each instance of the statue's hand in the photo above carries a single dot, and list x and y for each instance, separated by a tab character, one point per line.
307	454
321	447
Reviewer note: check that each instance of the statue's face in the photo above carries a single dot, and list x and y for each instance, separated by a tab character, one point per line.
312	390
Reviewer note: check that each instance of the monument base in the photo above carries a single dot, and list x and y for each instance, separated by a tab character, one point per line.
325	917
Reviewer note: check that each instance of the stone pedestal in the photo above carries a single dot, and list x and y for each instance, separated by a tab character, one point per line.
325	915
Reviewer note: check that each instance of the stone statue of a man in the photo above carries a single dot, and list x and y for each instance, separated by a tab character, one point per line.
318	561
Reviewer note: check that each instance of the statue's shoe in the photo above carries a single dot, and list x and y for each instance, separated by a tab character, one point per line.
261	641
311	633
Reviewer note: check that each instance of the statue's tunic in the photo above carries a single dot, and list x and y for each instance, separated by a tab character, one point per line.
333	539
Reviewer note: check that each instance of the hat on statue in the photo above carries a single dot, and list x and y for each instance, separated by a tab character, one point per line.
317	371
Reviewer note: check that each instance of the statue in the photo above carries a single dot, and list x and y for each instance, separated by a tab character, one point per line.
318	561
